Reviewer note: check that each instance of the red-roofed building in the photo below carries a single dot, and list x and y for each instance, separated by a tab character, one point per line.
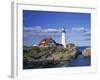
49	42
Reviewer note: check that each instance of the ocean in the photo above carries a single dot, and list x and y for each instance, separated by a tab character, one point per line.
81	48
80	60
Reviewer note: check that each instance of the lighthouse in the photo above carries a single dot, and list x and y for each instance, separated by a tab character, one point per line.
63	37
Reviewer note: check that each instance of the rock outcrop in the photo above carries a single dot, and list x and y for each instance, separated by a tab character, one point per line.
86	52
44	56
72	50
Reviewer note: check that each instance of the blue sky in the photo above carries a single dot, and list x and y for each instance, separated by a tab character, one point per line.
43	24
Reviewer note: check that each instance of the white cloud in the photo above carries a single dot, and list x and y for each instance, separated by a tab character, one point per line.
79	29
88	33
38	30
51	30
28	29
87	39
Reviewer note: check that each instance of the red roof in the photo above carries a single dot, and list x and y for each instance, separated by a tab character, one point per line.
46	41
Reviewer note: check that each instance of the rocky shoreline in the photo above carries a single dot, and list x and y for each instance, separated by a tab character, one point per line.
86	52
37	57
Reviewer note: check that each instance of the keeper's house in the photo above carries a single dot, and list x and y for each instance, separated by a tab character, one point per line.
49	42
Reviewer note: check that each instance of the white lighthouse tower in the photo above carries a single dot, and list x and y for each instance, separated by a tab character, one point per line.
63	37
